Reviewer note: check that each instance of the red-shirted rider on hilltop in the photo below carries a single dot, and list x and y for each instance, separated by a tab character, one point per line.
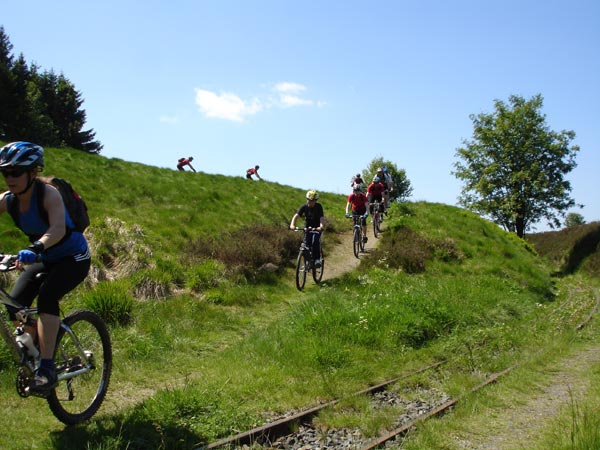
313	212
185	162
253	171
358	201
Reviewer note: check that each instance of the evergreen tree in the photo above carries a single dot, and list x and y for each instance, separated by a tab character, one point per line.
7	99
40	107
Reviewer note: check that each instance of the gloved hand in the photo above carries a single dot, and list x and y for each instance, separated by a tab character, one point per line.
348	216
27	256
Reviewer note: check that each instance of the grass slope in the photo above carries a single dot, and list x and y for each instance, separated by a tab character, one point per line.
220	351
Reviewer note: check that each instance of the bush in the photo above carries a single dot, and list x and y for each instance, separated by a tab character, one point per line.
112	301
206	275
247	250
403	248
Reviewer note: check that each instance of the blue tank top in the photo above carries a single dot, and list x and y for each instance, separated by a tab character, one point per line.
32	224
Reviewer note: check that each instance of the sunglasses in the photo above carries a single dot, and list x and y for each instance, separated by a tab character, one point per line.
14	173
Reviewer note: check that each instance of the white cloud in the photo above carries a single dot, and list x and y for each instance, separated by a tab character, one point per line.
226	105
293	100
287	87
229	106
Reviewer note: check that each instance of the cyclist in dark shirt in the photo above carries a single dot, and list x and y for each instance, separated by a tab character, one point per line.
313	212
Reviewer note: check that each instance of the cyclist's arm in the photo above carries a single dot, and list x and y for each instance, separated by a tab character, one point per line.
54	205
293	222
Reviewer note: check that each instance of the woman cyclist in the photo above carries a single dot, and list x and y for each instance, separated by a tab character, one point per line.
313	212
55	249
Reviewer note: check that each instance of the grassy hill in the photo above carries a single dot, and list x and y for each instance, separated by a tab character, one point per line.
205	343
571	249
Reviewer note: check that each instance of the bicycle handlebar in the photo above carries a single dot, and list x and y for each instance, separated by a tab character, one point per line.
309	229
8	262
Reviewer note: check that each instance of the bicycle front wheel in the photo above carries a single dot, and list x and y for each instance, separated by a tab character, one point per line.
356	242
318	271
376	225
77	399
301	268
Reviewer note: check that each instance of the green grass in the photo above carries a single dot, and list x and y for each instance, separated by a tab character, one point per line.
207	344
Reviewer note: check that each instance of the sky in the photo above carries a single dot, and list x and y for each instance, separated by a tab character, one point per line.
314	90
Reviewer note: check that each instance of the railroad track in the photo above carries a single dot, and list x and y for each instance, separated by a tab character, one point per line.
296	432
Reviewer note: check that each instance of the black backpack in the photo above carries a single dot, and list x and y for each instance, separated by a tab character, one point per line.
73	202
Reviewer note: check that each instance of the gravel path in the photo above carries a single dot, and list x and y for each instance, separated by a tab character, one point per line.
514	428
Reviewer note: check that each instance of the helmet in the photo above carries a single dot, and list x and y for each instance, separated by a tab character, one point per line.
357	188
379	169
21	154
376	179
358	175
257	167
385	170
312	195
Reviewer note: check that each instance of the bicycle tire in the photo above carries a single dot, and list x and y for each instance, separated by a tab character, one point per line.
301	269
356	243
76	400
317	272
376	225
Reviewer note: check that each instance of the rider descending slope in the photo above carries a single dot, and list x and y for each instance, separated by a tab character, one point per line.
313	212
56	249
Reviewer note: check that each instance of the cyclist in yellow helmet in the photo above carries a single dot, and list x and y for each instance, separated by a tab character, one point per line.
313	212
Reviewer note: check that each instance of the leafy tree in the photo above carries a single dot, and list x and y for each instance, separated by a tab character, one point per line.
574	219
514	166
402	188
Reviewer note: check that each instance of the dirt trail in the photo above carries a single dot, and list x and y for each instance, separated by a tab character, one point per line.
341	259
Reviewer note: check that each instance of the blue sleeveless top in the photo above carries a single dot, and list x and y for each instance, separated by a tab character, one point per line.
32	224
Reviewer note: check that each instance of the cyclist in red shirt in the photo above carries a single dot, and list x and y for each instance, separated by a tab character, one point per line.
253	171
359	201
185	162
375	193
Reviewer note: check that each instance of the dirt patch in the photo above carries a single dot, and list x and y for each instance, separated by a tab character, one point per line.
341	258
514	428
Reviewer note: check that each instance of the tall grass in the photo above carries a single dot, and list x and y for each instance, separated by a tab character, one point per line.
207	344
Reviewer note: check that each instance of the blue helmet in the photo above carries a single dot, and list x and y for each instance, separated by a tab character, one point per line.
22	154
376	179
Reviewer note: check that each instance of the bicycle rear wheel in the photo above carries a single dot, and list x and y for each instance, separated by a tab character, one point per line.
357	241
77	399
301	268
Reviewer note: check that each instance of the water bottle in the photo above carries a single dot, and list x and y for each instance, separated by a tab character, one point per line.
26	340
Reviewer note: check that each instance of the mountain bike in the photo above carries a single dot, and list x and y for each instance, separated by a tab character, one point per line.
377	217
358	244
305	261
82	357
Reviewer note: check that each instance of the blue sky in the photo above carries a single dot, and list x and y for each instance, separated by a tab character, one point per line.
312	90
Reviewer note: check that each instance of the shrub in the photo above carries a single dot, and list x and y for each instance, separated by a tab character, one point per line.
112	301
246	250
205	275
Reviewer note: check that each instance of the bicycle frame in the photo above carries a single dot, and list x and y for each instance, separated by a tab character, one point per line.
305	260
19	355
